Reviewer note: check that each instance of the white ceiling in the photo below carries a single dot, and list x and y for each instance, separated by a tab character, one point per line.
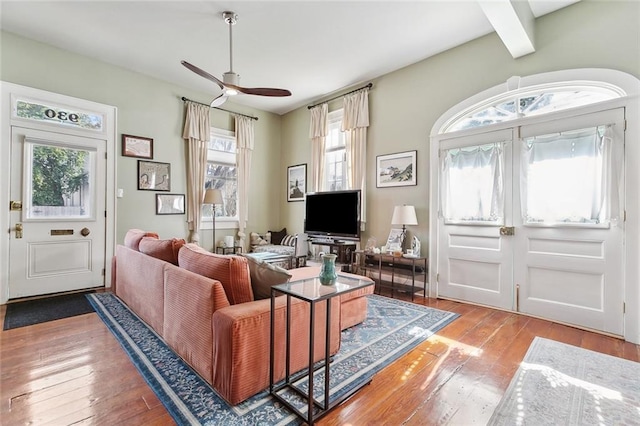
312	48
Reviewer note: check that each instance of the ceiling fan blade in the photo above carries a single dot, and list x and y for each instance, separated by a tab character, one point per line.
219	100
261	91
202	73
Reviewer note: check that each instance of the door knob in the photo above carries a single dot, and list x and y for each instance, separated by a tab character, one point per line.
18	230
507	230
85	232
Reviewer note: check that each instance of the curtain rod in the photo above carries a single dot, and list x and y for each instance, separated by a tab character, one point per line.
221	109
367	86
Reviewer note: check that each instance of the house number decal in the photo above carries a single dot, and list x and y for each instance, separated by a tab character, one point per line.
62	115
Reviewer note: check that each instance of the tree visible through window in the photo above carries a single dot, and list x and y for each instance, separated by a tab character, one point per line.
222	174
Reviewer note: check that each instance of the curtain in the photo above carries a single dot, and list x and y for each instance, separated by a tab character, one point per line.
571	177
354	123
197	131
318	130
244	142
472	184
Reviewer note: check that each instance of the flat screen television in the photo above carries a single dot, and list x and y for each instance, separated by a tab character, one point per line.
333	215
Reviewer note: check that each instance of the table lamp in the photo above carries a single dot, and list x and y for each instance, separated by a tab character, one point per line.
404	215
213	197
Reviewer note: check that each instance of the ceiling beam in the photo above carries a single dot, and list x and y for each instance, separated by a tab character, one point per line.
513	20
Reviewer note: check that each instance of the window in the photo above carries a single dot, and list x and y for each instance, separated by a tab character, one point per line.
335	175
222	173
530	102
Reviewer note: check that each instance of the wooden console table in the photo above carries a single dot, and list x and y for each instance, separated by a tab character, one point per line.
374	265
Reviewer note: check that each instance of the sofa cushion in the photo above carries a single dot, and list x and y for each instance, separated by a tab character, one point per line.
264	275
134	236
232	271
166	250
277	236
289	240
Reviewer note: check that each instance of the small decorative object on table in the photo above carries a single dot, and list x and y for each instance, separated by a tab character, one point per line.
415	246
328	273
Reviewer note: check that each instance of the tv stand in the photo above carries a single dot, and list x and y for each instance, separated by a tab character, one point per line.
342	249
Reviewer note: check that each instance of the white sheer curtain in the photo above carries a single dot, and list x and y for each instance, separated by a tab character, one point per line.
197	130
318	129
354	123
571	177
245	143
473	184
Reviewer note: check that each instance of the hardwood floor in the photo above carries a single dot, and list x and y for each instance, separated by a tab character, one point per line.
72	371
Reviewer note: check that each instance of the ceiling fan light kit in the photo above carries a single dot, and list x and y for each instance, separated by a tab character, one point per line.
230	80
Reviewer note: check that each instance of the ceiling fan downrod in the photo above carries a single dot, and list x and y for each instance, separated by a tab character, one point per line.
230	77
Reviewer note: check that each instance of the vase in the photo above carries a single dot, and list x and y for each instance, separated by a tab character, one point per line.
328	274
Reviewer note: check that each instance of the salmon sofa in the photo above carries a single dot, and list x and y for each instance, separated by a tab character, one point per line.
202	305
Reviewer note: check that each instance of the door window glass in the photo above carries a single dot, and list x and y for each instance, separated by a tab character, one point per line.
565	177
58	182
473	184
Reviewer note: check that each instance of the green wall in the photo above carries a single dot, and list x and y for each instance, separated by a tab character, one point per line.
405	104
151	108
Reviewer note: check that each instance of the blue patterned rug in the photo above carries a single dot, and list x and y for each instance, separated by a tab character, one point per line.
392	328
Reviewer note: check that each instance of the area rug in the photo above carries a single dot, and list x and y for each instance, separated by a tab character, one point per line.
29	312
392	328
560	384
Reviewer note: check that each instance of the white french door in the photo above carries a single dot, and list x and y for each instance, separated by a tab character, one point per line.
567	269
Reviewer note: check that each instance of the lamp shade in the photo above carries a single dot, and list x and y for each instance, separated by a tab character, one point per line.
404	215
212	196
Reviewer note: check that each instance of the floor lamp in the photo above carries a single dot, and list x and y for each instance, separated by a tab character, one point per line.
213	197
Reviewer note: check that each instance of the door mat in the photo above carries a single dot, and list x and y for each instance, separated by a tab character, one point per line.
29	312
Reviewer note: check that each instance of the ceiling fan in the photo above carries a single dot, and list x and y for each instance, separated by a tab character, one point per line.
229	82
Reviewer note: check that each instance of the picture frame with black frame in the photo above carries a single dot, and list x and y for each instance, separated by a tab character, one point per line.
398	169
137	146
154	176
170	204
296	182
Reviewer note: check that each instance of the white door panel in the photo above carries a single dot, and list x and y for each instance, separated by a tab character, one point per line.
62	247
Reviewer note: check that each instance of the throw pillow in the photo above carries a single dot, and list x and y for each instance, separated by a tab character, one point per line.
134	236
289	240
166	250
257	240
232	271
264	275
277	236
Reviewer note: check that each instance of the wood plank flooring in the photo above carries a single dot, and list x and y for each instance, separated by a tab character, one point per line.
73	372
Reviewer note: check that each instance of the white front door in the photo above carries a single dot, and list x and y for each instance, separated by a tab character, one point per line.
561	265
57	218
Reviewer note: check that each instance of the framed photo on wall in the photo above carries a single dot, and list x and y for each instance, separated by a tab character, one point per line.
169	203
137	146
154	176
296	182
396	169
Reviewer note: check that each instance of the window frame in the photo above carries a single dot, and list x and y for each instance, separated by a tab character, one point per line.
223	158
334	119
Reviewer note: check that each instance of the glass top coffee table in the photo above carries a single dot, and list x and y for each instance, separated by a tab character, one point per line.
311	291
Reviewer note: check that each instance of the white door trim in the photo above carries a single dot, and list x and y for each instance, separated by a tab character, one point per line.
631	103
109	134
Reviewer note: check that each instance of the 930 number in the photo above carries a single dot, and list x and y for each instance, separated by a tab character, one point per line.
61	115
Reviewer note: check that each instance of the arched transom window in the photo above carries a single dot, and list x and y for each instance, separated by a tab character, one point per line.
532	101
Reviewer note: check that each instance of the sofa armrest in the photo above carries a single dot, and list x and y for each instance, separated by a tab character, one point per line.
242	342
189	303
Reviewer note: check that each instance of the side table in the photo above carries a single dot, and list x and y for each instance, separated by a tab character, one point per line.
229	250
311	291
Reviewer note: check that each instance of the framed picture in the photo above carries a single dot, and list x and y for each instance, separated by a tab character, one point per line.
296	182
396	169
395	240
137	146
154	176
169	203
